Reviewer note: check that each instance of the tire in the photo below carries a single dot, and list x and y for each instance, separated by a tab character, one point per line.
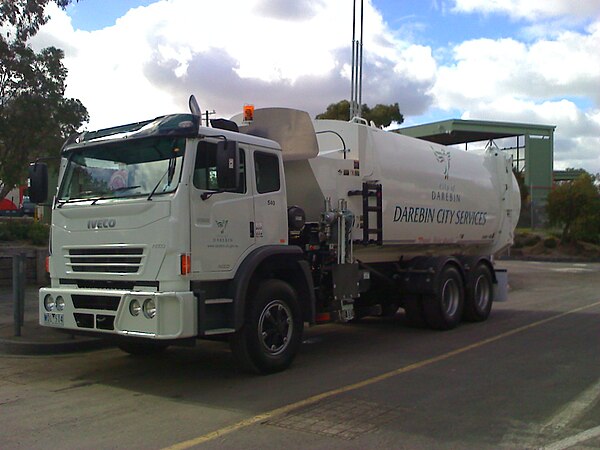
272	331
443	310
479	295
413	310
142	348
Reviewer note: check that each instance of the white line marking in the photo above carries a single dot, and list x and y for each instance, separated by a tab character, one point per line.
575	409
574	440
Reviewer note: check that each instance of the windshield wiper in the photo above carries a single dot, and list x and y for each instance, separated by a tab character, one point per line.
170	171
125	188
102	196
158	184
79	199
114	191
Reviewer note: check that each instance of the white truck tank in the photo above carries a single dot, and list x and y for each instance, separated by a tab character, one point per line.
435	199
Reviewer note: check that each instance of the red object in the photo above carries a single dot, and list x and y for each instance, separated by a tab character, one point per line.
7	205
186	264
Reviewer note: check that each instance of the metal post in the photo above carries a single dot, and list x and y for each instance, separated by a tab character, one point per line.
23	283
356	78
353	59
360	64
18	293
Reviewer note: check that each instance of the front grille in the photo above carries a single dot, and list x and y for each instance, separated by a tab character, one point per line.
105	260
84	301
123	285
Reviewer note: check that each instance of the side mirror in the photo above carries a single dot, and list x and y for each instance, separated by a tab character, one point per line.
228	165
38	182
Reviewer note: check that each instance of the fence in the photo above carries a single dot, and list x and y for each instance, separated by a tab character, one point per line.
35	261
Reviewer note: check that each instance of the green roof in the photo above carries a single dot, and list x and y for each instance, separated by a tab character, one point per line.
457	131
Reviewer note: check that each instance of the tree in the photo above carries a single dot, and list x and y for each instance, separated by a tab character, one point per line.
575	205
337	111
24	17
381	115
35	117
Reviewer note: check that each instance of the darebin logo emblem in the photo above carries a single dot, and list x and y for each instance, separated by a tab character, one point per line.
443	157
94	224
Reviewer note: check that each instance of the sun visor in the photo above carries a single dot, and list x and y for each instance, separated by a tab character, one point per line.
292	129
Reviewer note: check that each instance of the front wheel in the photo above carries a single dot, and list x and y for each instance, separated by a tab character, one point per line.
272	331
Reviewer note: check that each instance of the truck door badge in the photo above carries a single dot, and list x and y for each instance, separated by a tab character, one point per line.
222	225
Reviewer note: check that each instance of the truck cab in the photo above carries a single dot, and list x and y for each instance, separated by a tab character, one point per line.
150	224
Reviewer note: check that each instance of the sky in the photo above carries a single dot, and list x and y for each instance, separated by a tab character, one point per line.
527	61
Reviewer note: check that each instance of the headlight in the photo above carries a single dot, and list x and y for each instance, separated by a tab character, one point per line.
135	307
60	303
49	302
150	308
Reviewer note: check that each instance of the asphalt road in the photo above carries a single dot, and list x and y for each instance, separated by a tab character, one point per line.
529	377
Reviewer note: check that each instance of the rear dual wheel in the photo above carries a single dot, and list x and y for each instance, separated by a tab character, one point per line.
443	310
480	295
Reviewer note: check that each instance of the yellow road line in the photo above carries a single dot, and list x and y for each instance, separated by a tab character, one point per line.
351	387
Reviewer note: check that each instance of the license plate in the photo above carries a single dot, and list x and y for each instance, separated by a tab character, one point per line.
54	319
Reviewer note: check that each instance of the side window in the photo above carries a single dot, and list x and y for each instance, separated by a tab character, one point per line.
267	172
205	168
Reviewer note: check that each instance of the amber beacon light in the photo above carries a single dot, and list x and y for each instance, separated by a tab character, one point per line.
248	113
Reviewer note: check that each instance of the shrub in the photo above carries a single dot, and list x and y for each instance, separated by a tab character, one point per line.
526	240
532	240
13	230
574	205
24	230
550	242
38	233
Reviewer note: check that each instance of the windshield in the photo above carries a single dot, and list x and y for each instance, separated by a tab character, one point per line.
140	167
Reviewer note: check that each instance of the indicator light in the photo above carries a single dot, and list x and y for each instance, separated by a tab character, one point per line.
186	263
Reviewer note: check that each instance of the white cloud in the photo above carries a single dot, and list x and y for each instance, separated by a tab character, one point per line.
549	81
270	52
296	53
484	68
577	135
532	10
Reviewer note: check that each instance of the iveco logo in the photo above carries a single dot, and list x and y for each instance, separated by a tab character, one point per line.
101	223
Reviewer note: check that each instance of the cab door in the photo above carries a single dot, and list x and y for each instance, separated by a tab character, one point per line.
221	221
270	205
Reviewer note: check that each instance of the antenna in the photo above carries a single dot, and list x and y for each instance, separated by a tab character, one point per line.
357	63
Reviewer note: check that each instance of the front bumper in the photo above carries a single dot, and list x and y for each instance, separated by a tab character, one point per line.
106	311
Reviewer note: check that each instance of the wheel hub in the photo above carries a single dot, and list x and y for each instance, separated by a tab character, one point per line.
275	327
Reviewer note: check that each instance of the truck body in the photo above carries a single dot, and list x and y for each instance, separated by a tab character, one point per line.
165	232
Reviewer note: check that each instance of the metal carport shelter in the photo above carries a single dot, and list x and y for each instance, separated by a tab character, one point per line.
533	152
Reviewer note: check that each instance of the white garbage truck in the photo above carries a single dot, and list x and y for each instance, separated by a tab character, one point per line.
166	231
